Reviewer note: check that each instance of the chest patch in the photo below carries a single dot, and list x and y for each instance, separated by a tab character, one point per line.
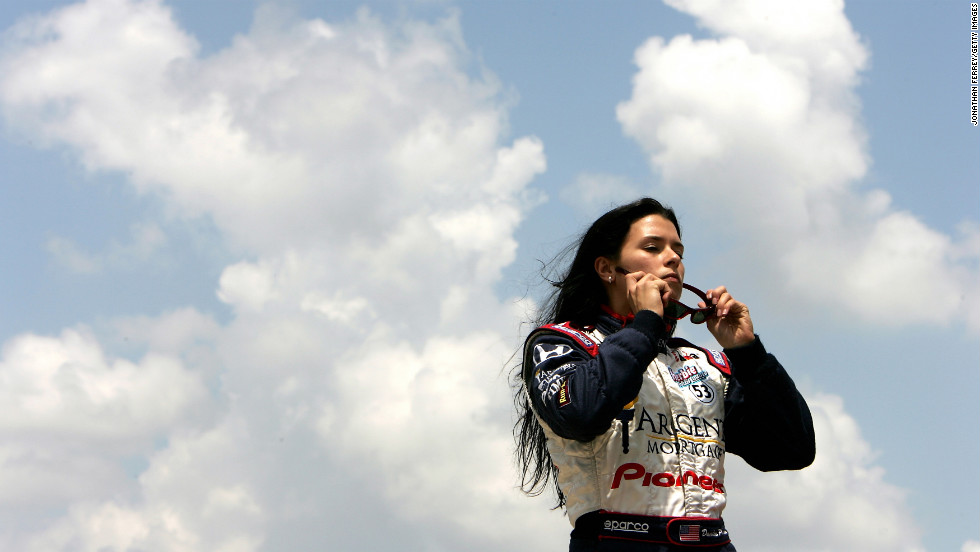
694	379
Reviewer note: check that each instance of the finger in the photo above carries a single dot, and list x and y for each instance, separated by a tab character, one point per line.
662	286
716	293
639	274
721	300
724	305
658	286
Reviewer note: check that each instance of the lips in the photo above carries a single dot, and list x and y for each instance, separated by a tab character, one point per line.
671	276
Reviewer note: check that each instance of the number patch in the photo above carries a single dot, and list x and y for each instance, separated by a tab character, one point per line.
703	392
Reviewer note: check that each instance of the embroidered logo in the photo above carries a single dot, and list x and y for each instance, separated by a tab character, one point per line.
628	526
543	352
695	379
564	396
581	336
688	374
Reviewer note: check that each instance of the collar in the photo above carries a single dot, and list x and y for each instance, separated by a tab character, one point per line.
623	320
611	321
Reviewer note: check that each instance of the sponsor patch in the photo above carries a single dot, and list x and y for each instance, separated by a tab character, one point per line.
579	336
544	351
627	526
564	396
719	361
687	374
693	378
715	358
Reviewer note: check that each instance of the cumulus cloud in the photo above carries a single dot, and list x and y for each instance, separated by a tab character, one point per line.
66	386
174	333
78	419
361	169
194	496
841	502
761	126
364	173
299	132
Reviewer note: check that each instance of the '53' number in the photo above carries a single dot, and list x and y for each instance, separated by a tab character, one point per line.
703	392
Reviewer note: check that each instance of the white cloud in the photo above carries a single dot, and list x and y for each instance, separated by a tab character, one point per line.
760	128
76	418
891	256
814	31
107	527
300	132
172	333
361	168
841	502
440	401
194	497
67	387
246	285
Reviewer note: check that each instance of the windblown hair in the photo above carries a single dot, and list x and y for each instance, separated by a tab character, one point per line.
577	298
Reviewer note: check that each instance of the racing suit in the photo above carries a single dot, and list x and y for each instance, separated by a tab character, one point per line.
638	425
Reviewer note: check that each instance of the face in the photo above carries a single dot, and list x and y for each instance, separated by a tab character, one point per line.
653	246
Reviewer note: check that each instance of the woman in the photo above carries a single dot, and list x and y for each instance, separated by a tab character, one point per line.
633	425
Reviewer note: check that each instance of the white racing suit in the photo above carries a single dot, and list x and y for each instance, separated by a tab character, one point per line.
639	425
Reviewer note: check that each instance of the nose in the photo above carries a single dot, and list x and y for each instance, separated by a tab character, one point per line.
673	259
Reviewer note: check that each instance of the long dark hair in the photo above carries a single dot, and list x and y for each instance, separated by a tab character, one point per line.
577	298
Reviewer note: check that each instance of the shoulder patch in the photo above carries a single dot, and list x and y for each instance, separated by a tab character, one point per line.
578	335
717	359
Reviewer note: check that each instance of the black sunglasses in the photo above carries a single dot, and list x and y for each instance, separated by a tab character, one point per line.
675	310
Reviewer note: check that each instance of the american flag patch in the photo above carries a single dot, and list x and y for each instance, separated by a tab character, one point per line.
690	533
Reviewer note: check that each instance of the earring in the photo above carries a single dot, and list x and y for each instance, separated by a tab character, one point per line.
610	279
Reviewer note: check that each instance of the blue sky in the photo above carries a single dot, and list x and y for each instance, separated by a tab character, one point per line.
227	233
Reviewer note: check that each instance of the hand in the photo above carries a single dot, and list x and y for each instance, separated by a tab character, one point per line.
646	292
731	325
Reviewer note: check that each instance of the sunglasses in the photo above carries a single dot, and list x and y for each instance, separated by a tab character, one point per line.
675	310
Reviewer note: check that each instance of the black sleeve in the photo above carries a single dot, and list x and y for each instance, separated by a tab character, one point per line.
767	421
577	394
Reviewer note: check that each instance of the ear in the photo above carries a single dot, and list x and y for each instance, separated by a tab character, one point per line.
605	268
